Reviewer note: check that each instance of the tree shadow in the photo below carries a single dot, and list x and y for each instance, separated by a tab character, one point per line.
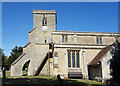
42	82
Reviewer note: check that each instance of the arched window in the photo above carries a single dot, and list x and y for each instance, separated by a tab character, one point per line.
69	59
25	68
73	59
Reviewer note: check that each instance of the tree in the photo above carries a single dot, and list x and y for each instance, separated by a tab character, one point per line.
16	52
1	52
115	63
4	61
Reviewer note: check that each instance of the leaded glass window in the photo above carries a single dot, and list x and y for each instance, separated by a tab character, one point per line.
77	55
69	59
73	59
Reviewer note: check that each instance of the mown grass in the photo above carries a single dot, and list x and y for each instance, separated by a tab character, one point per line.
45	81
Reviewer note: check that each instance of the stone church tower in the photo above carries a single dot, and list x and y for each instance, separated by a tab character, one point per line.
38	46
45	22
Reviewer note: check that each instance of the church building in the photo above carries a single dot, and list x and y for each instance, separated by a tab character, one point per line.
71	54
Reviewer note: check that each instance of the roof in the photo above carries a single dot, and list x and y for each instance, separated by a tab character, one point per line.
100	55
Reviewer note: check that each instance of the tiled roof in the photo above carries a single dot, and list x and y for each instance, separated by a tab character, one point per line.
100	55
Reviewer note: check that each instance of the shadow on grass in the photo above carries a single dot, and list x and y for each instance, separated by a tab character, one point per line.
42	82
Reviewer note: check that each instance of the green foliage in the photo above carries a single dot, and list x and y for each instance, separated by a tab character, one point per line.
1	52
16	52
4	61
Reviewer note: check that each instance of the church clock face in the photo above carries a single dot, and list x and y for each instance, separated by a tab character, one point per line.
44	28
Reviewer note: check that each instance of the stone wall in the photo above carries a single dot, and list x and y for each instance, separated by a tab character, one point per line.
105	63
63	68
84	38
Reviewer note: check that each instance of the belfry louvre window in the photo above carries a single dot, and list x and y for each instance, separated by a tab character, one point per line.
44	20
73	59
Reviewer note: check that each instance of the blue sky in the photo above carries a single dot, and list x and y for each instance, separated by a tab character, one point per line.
17	19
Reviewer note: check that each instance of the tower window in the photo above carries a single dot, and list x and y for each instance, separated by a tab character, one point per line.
44	20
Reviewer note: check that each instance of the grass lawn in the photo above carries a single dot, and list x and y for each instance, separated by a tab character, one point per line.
45	81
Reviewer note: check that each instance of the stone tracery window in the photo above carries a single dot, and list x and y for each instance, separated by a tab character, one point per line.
73	59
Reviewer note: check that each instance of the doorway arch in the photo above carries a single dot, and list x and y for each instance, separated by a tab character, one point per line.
25	68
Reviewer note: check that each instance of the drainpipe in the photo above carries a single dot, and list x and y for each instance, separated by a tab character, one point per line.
84	64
